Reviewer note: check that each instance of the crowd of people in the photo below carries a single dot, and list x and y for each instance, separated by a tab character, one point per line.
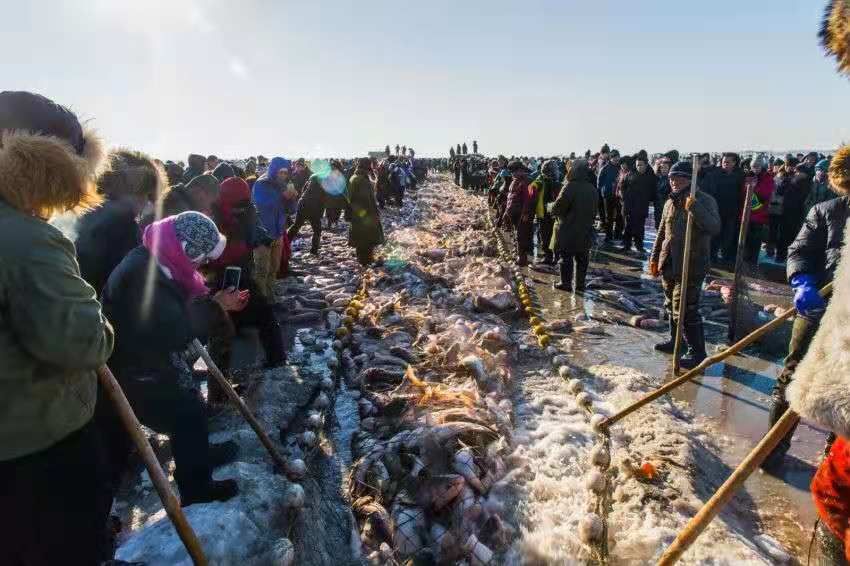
797	212
162	254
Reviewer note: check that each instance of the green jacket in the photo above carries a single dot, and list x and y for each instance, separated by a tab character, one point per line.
52	337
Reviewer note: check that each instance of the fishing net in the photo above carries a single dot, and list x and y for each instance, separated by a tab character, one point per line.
754	292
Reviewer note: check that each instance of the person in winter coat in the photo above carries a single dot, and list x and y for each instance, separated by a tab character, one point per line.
667	259
55	492
199	194
365	231
147	299
812	261
104	235
275	197
821	190
546	188
763	188
662	189
797	189
637	191
727	183
335	188
195	165
311	205
236	218
609	171
519	210
223	170
774	208
574	211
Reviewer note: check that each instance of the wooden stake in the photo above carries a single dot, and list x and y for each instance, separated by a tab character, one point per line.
703	518
739	260
240	404
709	361
686	267
169	500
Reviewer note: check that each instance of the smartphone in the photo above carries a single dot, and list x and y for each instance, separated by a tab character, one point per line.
232	275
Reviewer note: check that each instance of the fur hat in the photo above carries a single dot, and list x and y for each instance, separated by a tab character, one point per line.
132	173
839	171
641	156
835	33
605	149
48	160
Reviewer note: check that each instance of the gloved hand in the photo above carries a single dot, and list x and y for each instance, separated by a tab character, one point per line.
689	203
807	301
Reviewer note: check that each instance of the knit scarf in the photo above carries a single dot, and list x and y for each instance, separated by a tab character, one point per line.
161	241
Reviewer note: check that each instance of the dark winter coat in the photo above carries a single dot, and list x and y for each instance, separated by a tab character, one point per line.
638	191
662	191
607	179
151	327
104	236
817	248
574	211
312	201
669	248
520	204
794	198
366	230
727	192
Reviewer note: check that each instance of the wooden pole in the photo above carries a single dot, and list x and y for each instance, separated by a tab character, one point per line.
712	507
711	360
686	257
169	500
240	404
739	259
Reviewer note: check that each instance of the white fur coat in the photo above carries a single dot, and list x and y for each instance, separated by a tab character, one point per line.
820	390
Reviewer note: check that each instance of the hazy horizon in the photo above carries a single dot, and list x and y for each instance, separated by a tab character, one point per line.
333	78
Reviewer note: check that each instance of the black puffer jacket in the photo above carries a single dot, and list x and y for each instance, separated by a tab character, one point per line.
104	236
153	326
817	248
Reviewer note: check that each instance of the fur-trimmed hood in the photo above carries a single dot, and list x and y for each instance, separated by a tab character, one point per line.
44	174
820	390
835	33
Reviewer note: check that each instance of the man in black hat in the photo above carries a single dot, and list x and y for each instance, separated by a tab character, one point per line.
667	259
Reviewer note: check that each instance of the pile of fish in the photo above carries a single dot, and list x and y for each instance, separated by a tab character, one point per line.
426	350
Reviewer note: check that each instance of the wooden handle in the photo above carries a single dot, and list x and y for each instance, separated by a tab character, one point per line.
711	360
712	507
686	267
240	404
169	500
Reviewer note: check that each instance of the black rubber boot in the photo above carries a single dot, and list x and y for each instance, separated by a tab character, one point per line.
223	453
667	347
271	338
778	406
695	338
215	490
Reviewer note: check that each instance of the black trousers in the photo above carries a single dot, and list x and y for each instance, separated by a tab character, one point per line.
574	263
315	221
613	218
179	412
524	239
634	231
55	504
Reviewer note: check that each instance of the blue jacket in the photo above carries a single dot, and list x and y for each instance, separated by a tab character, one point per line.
607	179
268	196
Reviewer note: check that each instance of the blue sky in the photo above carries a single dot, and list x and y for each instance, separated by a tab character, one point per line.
342	78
